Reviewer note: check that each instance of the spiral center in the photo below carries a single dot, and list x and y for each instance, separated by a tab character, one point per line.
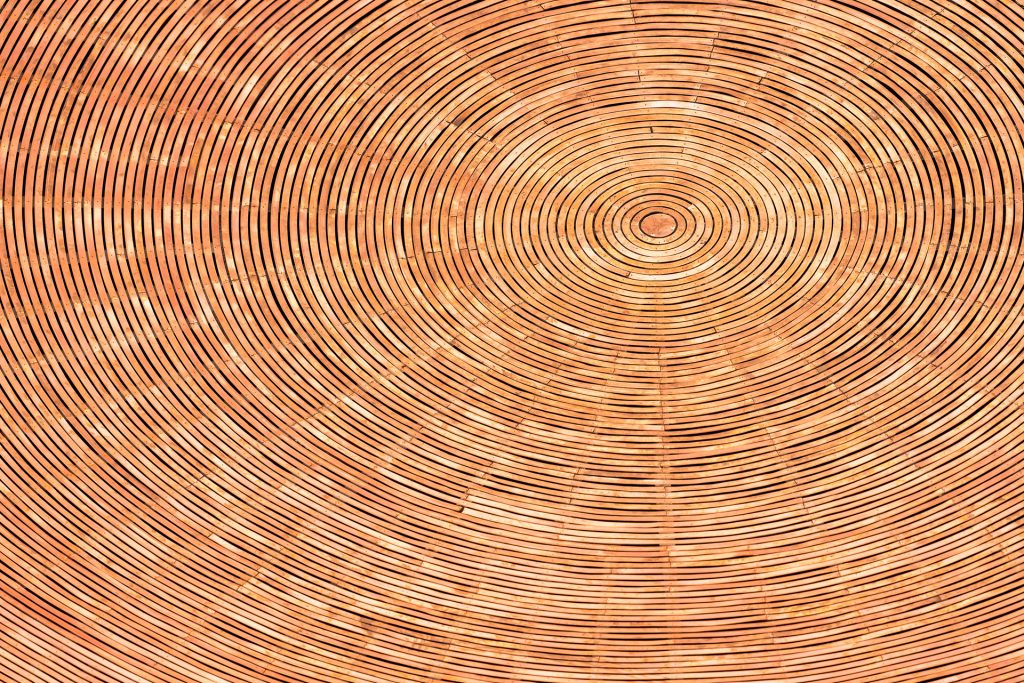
658	225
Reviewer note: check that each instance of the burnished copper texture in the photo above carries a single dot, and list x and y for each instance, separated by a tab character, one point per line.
512	342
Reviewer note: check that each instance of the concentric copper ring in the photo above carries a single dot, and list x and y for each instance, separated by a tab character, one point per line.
512	341
658	225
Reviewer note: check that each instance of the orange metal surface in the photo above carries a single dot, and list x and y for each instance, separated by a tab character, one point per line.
515	341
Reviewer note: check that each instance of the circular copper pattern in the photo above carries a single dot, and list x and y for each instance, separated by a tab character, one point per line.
530	341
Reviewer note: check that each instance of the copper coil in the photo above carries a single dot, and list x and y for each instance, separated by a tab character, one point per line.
512	341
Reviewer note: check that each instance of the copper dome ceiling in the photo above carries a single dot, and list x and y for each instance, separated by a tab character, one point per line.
518	341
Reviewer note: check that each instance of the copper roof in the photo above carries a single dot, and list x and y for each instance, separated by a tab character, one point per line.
512	341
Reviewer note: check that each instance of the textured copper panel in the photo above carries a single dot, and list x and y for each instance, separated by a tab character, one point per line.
529	341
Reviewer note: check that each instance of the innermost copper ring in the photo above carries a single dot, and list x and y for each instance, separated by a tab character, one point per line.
658	225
